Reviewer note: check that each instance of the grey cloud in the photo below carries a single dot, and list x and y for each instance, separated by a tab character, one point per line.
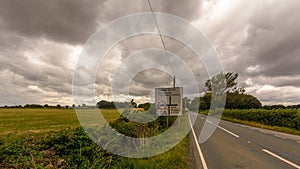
262	34
187	9
71	21
74	21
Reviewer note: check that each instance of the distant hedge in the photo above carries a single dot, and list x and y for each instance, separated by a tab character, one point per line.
281	117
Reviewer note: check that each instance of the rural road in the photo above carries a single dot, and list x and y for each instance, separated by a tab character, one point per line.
238	146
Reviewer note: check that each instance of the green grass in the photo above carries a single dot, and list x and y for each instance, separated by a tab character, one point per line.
29	133
270	117
176	158
259	125
34	121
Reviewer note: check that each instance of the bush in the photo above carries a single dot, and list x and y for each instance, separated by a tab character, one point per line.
66	149
280	117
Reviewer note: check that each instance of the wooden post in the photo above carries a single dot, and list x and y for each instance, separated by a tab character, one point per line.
174	82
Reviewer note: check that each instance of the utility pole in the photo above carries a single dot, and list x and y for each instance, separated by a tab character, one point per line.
170	103
174	82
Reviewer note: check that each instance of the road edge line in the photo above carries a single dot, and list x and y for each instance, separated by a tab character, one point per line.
198	146
235	135
281	158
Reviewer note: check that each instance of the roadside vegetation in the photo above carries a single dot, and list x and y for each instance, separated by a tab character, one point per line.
53	138
246	109
282	120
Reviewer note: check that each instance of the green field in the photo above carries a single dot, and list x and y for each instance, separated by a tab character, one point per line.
26	134
33	121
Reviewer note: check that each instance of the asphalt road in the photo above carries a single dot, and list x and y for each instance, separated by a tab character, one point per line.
238	146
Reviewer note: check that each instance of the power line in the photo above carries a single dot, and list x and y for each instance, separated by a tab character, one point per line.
161	37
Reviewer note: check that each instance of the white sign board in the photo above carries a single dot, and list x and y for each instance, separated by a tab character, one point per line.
168	101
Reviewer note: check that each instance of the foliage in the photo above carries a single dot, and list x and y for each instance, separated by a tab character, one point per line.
235	97
230	79
103	104
241	101
233	101
145	106
72	148
271	107
281	117
66	149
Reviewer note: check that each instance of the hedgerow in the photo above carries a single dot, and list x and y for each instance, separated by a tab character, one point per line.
289	118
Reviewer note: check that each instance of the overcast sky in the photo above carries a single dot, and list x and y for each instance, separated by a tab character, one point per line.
40	42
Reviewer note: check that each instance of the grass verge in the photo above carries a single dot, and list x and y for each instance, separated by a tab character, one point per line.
254	124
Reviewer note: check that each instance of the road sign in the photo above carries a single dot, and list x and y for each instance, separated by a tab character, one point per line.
168	101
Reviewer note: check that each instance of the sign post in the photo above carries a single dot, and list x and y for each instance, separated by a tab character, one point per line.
168	101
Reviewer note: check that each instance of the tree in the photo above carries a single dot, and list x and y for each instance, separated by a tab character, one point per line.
133	103
235	98
242	101
103	104
145	106
186	102
230	80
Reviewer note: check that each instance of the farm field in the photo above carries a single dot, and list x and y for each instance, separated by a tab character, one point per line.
53	138
35	121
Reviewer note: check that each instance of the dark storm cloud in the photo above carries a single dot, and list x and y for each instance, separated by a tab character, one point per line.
74	21
259	40
71	21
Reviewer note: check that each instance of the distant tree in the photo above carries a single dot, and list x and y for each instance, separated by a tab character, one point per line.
230	80
203	105
33	106
103	104
46	106
67	107
186	102
271	107
194	106
133	103
242	101
235	98
145	106
233	101
58	106
73	105
293	106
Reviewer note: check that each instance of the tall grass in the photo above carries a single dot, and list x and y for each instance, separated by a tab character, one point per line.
52	138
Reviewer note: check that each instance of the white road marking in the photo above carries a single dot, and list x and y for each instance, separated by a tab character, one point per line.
280	136
235	135
228	132
209	122
198	147
282	159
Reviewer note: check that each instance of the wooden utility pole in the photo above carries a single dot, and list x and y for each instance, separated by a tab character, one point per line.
170	103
